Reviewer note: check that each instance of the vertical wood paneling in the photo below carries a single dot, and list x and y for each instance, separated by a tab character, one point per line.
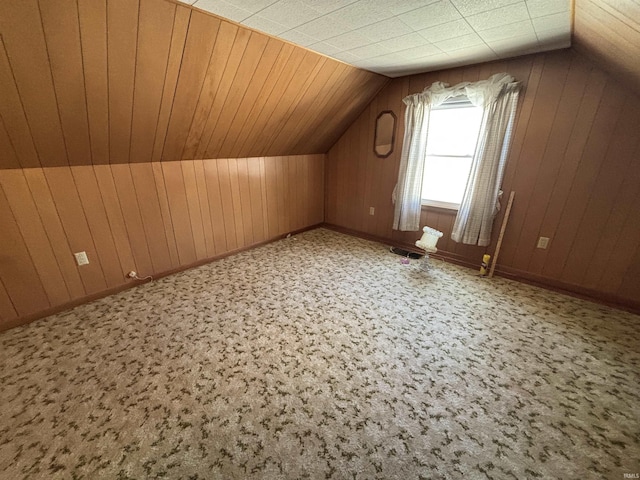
525	108
249	124
584	180
62	34
156	19
361	184
240	63
74	222
93	42
282	135
6	148
265	67
147	197
106	82
321	104
295	172
193	203
35	237
303	186
212	183
26	50
341	188
255	199
352	101
319	182
609	31
53	226
228	213
284	195
330	184
552	81
177	197
270	104
310	69
603	197
571	159
245	199
619	239
270	173
18	273
379	222
117	225
132	218
236	202
388	167
335	102
201	37
178	40
14	120
149	217
263	187
371	177
345	97
623	255
570	164
7	310
166	214
98	223
205	209
563	124
317	203
210	86
235	82
630	287
122	41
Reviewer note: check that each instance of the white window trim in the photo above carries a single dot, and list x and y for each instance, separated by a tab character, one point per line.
438	204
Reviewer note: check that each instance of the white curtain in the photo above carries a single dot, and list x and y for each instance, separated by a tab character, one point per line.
498	97
407	194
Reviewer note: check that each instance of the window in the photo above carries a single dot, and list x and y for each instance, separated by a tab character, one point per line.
453	133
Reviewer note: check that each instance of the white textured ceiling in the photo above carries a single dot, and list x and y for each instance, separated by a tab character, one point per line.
400	37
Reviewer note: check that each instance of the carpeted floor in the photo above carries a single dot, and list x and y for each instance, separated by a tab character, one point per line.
323	357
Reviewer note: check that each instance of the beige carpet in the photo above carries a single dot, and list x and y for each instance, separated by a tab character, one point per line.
323	357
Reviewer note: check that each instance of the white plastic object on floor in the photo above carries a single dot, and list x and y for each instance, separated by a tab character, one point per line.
429	240
428	243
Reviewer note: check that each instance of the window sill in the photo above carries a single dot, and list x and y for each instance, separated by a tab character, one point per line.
433	204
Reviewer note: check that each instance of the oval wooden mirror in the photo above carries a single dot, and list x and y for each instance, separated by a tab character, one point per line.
385	134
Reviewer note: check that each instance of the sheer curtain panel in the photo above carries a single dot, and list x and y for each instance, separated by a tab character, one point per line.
498	97
407	194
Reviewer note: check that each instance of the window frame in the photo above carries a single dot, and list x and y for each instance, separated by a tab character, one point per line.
452	103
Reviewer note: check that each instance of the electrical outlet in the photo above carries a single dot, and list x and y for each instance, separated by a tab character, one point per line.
372	210
81	258
543	242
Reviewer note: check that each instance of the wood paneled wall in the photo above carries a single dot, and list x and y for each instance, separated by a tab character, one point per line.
609	31
574	165
150	217
104	82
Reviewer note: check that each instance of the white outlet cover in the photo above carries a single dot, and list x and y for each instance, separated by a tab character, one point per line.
81	258
543	242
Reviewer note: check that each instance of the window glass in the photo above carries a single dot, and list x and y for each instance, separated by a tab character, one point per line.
453	134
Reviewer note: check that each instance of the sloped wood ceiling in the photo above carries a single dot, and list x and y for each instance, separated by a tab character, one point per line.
118	81
609	32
